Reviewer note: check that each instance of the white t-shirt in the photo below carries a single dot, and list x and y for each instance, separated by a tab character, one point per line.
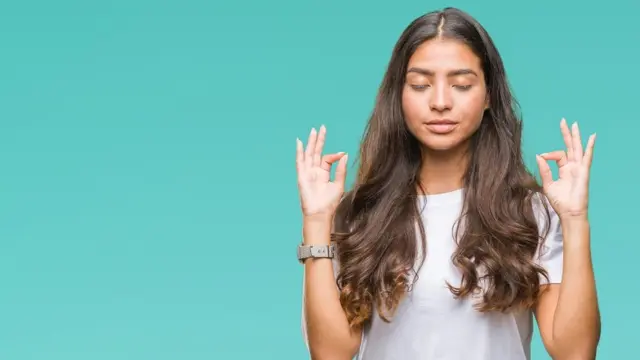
430	324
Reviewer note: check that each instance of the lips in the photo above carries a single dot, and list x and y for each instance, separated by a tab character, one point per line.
441	126
441	122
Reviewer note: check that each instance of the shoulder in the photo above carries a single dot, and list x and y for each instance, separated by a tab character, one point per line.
546	217
550	250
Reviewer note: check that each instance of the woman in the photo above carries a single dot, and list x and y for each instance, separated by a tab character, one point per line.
446	247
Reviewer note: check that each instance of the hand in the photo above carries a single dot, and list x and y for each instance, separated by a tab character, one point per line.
319	196
569	194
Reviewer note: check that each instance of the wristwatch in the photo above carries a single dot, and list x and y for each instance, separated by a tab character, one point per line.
315	251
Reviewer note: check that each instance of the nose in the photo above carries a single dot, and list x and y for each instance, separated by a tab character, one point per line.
440	99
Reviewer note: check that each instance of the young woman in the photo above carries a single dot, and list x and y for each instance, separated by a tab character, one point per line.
446	246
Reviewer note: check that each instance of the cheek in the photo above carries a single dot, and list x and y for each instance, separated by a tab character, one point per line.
413	108
474	109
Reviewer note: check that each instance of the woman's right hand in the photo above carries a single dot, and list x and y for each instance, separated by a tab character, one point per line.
319	196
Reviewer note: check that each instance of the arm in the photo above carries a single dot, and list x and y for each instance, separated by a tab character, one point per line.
325	325
567	313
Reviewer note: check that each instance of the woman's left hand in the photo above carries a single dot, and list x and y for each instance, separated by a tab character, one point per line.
568	194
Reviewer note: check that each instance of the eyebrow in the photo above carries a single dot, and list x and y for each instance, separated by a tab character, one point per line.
427	72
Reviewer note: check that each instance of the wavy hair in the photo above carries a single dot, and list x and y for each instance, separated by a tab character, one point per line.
375	223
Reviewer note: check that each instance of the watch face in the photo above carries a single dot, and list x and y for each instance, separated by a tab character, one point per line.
319	251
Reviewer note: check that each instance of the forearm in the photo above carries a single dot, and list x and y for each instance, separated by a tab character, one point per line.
328	331
576	322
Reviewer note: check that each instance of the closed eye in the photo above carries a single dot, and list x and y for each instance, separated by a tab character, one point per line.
419	87
462	87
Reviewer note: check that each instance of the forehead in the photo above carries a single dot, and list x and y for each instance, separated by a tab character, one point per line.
444	55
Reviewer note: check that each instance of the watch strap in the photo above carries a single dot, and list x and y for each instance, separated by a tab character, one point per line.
315	251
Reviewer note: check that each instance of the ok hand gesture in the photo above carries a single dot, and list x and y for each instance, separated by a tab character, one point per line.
319	196
568	194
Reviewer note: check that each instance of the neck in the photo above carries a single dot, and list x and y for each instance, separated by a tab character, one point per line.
443	171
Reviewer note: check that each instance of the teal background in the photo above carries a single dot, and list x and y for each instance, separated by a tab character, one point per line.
148	202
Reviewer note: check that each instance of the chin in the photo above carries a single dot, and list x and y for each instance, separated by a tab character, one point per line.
442	143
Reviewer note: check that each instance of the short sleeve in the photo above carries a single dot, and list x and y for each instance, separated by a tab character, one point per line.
550	252
303	317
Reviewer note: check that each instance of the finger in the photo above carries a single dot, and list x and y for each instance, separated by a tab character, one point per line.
588	153
577	142
317	152
566	135
299	155
329	159
559	156
341	171
545	171
308	154
561	159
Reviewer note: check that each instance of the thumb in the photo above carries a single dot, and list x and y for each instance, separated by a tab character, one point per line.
329	159
341	171
545	172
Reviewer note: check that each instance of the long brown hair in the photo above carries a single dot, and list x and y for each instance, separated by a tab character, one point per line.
376	221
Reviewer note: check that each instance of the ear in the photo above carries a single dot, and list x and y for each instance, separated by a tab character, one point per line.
486	101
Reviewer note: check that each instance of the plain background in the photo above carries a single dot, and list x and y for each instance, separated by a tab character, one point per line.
148	201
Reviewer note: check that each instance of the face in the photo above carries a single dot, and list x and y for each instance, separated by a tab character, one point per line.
444	96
